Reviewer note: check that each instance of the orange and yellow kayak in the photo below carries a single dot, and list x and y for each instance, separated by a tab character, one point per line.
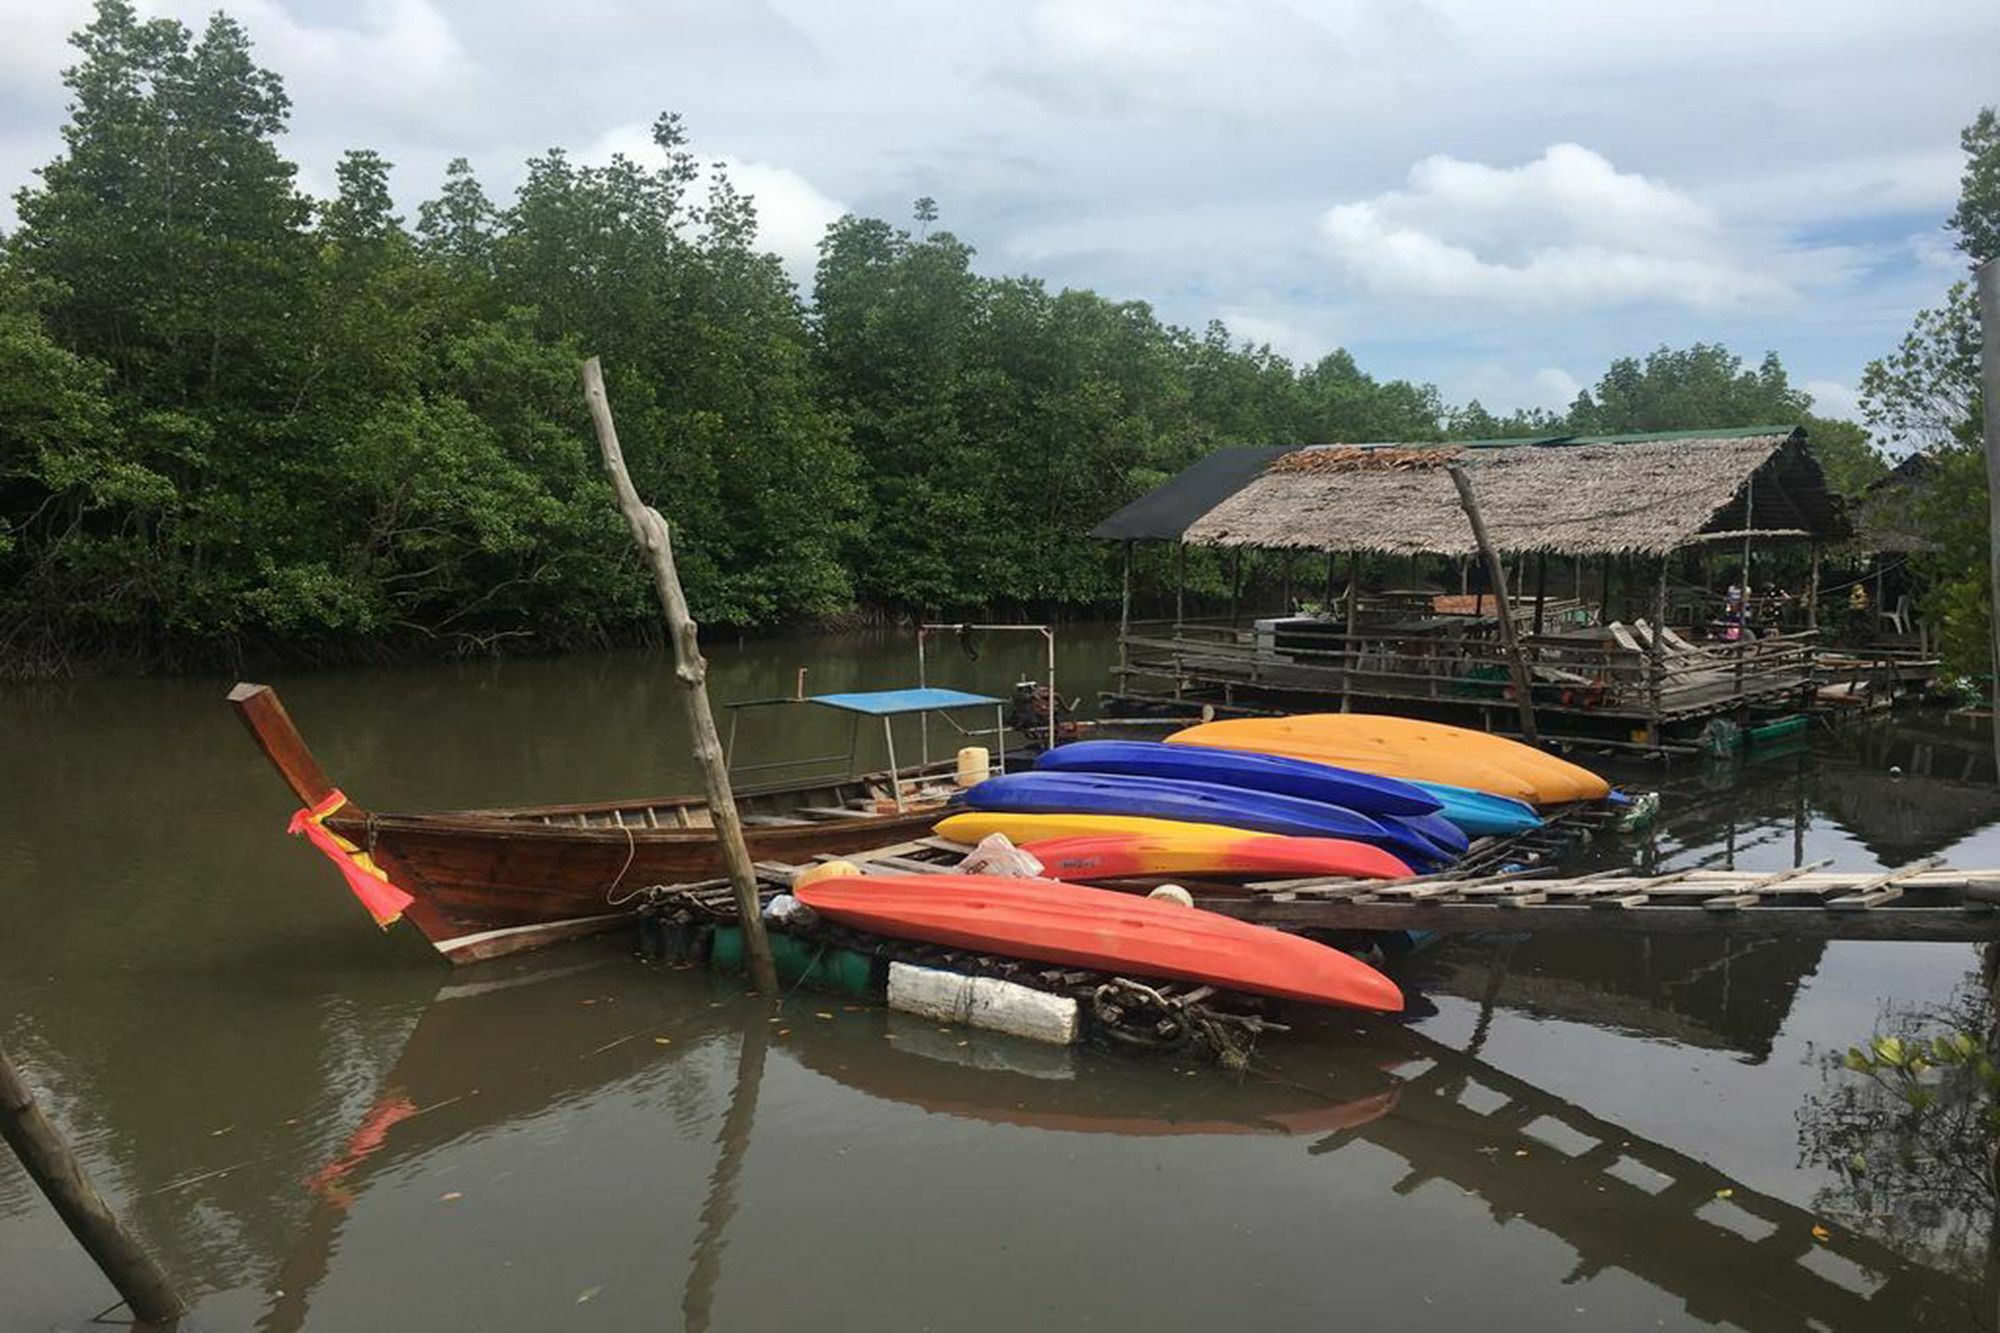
1401	747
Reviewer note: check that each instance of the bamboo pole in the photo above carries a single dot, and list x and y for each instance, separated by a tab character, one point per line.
1989	380
650	531
1541	586
1517	664
55	1169
1812	591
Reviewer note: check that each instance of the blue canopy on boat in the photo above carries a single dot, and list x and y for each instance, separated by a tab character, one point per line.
890	703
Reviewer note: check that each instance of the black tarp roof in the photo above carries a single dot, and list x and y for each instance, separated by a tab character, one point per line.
1164	513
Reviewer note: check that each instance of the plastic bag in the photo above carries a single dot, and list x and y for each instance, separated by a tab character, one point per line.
995	855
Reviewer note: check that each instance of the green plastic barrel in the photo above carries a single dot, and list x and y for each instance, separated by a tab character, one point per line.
800	962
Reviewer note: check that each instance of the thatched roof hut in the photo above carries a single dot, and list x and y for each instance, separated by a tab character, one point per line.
1888	518
1572	495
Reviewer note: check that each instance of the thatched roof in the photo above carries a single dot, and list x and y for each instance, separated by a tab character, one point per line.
1889	515
1573	496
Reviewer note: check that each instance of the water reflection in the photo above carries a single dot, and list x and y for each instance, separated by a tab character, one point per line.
317	1129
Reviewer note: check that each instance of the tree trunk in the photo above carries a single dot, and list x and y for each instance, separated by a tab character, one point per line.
691	671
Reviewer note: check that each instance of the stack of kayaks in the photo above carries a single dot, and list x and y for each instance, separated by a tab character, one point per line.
1423	841
1401	747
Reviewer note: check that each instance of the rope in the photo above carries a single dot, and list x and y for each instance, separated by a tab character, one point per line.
631	850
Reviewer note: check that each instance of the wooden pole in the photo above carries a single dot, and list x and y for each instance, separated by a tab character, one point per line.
1812	591
1541	586
650	531
1180	583
1497	576
1235	583
1656	650
1124	617
54	1168
1989	381
1347	649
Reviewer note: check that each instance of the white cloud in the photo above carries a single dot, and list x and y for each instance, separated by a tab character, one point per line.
792	213
1555	388
1564	230
1831	398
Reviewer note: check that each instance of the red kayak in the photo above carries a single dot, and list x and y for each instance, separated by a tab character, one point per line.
1101	930
1213	852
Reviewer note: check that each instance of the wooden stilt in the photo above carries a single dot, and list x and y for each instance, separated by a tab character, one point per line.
1125	616
1517	664
1812	591
1180	583
691	671
1541	587
56	1171
1348	651
1655	648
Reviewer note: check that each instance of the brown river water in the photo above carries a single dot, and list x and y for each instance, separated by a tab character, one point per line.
319	1126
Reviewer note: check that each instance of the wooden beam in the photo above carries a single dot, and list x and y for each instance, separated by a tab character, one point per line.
649	530
55	1170
264	714
1497	575
1347	642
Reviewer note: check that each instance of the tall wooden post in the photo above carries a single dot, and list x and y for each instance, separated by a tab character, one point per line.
1989	382
1541	587
1517	665
650	531
1812	591
1604	616
1348	652
1124	617
1180	584
54	1168
1235	583
1655	652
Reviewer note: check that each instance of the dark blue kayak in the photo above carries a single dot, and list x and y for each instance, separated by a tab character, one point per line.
1361	792
1449	839
1204	803
1479	813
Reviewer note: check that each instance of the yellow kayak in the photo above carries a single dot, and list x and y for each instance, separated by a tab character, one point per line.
972	825
1401	747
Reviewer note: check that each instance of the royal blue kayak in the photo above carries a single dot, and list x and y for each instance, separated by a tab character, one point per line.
1203	803
1479	813
1361	792
1447	837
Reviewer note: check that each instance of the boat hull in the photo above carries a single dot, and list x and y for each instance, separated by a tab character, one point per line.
488	887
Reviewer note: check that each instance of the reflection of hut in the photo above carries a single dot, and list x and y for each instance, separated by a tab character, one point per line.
1582	499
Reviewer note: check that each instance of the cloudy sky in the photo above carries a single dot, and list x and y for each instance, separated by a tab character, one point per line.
1497	197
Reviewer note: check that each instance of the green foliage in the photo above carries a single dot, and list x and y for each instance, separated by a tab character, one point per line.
1702	385
1926	393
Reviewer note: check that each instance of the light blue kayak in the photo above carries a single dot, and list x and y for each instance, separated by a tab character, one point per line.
1479	813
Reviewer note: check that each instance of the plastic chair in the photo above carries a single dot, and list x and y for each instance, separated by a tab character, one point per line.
1900	617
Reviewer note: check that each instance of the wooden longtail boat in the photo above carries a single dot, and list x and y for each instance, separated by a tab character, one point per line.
493	882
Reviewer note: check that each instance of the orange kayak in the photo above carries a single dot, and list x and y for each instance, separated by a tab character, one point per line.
1101	930
1220	852
1406	748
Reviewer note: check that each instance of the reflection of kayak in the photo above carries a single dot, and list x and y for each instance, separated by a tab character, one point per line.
1136	1100
1101	930
1479	813
1210	851
1420	838
1401	747
1364	793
